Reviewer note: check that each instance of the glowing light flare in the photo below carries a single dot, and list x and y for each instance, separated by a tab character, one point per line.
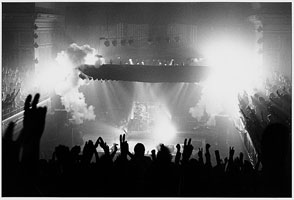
91	59
62	75
164	131
52	74
235	68
68	74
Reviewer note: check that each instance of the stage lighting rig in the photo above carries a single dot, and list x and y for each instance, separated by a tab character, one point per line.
107	43
123	42
131	41
114	43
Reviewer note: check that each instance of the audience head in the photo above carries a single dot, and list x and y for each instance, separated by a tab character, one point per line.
164	154
139	150
62	153
261	100
274	145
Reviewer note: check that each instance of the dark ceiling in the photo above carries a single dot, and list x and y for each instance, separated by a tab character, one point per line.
151	13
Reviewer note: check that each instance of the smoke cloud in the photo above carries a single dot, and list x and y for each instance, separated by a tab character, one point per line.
68	86
208	103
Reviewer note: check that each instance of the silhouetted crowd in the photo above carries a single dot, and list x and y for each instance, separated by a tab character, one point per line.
271	105
83	172
17	84
11	85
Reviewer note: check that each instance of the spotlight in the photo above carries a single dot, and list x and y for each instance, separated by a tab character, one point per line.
131	41
233	68
167	40
149	41
123	42
163	131
107	43
114	43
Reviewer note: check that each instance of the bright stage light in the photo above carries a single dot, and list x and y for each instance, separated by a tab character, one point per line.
164	131
92	58
61	73
48	76
53	74
234	68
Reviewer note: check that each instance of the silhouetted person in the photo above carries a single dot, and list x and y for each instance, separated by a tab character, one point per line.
138	166
28	141
276	161
163	175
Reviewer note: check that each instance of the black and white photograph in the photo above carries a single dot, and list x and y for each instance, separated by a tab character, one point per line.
146	99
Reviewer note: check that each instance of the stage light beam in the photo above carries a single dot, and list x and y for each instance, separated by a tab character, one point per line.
234	68
164	131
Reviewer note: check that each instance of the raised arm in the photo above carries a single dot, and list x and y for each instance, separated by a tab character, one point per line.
124	146
207	155
33	128
178	154
188	149
114	151
200	156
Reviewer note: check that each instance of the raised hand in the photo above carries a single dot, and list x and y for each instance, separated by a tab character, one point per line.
217	156
114	150
231	160
200	152
33	127
188	149
178	154
88	151
104	146
207	155
241	157
200	155
231	152
34	120
124	146
114	147
97	142
226	160
207	146
153	155
178	146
